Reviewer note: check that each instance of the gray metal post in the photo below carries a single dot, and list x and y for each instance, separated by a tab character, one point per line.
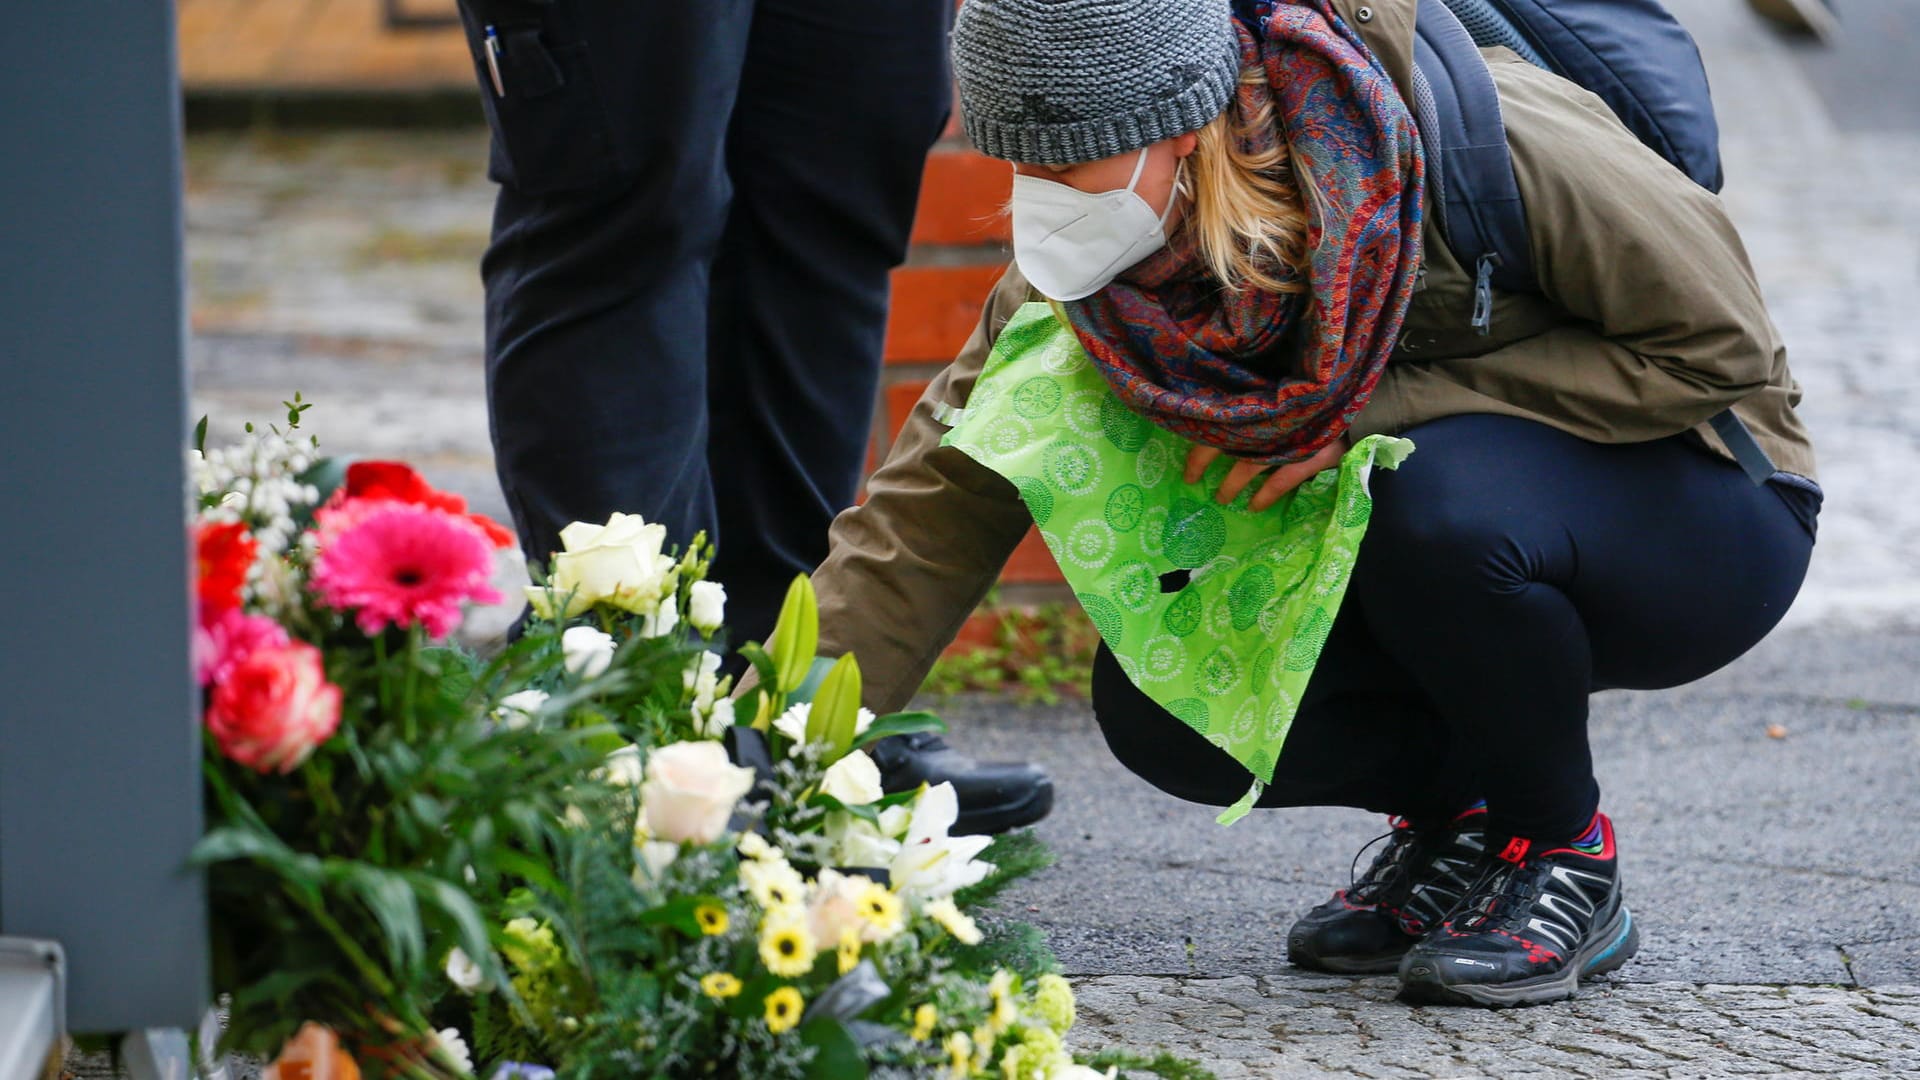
99	755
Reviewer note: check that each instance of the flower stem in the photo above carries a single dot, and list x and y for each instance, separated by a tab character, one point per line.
407	687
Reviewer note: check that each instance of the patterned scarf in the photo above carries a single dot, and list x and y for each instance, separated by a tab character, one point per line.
1277	376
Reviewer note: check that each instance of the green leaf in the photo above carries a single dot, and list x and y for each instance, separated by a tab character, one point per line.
200	435
762	663
809	687
837	1056
900	723
393	905
796	636
836	708
678	914
867	813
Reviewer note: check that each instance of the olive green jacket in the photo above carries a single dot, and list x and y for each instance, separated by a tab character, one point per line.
1650	322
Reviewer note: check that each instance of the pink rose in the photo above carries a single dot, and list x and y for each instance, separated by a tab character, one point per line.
274	707
223	640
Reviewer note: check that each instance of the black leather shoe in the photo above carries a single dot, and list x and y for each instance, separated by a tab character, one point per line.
1413	882
993	796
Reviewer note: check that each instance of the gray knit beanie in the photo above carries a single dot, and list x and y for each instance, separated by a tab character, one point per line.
1059	82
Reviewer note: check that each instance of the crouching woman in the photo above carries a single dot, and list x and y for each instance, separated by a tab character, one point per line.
1234	222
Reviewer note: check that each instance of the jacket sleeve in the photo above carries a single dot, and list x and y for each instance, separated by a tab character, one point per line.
905	568
1666	323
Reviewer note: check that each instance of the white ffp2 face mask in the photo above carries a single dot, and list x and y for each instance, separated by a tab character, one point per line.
1070	244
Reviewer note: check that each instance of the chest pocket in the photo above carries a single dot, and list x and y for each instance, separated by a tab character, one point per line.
547	116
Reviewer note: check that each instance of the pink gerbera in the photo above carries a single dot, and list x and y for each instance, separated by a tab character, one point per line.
405	565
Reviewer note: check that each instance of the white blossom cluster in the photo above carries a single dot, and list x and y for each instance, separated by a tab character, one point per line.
257	480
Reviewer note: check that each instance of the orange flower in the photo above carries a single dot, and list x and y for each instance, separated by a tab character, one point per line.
392	481
222	554
312	1054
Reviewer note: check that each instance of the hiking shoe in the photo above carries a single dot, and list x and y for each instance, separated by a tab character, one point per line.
1533	926
1411	885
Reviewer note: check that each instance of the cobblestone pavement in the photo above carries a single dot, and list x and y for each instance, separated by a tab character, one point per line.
1251	1027
1777	874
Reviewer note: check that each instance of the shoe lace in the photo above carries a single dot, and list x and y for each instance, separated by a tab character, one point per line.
1502	897
1390	870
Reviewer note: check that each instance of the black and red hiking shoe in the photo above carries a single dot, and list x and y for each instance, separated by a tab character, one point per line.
1411	885
1533	926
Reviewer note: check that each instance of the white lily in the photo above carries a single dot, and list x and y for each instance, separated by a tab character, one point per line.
932	864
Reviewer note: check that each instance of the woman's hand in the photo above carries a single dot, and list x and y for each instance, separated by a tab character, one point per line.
1284	479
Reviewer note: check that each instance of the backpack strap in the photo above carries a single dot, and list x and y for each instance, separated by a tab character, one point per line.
1471	171
1481	215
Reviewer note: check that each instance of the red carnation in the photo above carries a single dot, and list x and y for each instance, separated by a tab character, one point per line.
222	554
393	481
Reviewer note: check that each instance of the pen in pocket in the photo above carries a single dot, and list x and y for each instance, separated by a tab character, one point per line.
493	62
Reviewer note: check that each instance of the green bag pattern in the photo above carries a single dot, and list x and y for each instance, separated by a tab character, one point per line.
1230	652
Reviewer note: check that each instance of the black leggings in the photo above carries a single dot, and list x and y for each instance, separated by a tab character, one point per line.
1509	571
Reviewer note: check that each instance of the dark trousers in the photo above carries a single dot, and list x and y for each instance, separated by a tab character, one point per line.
687	285
1508	572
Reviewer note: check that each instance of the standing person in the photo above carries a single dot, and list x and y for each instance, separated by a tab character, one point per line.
687	284
1230	221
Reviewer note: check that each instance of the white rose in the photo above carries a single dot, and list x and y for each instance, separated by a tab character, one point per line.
517	710
463	973
661	619
690	790
623	767
588	652
618	563
706	608
932	864
717	719
854	780
455	1049
655	857
702	677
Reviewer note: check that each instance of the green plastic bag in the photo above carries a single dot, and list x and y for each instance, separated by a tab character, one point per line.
1230	650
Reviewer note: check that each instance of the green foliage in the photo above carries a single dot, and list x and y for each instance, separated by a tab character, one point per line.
1014	856
1035	656
1162	1064
831	720
796	635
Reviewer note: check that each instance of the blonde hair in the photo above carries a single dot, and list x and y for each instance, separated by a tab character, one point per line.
1246	212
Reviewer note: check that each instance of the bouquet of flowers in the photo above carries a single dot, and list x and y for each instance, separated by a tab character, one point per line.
586	855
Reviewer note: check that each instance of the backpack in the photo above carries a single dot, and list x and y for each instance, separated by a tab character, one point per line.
1632	54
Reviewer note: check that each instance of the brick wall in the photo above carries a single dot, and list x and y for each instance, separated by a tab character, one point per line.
960	244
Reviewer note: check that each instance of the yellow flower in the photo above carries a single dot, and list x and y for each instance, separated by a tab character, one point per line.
783	1009
1005	1009
719	986
711	917
959	1053
982	1048
1053	1000
924	1018
954	921
786	946
881	909
849	950
773	883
